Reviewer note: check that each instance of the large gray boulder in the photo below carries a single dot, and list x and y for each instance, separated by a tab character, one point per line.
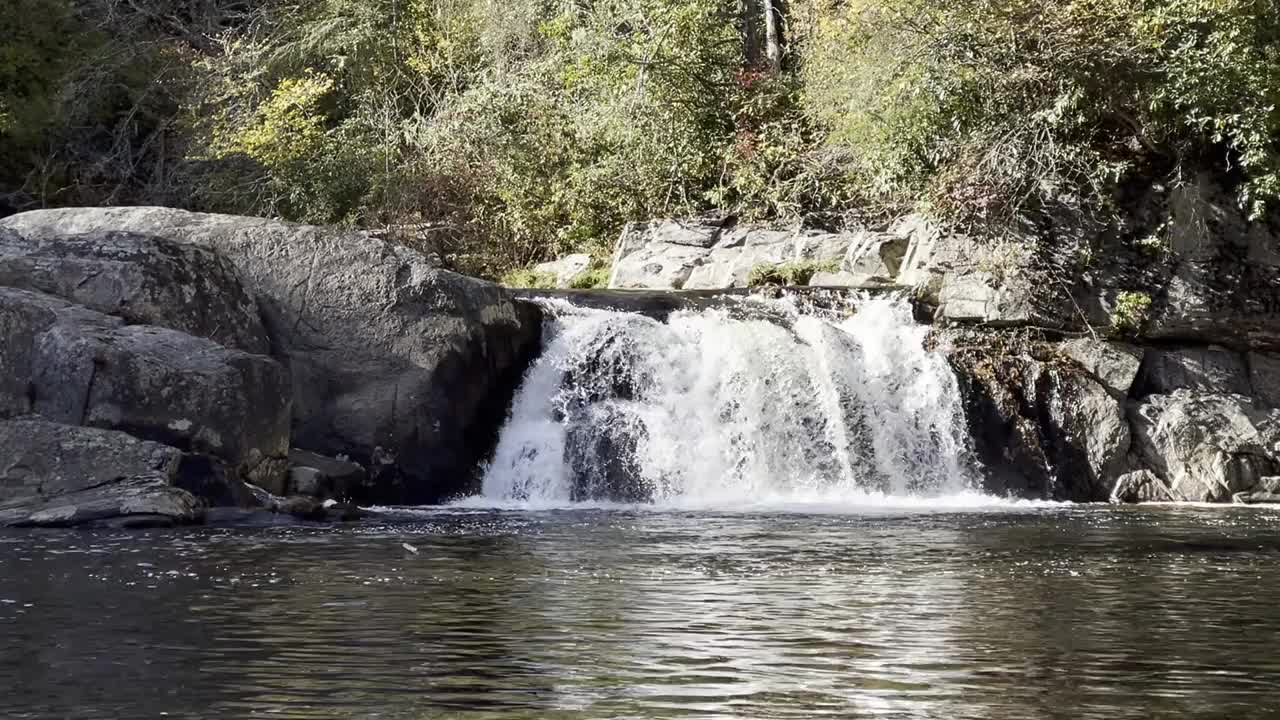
325	477
59	475
395	363
1207	448
143	279
1140	486
78	367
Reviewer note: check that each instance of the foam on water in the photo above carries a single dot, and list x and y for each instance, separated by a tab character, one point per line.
715	408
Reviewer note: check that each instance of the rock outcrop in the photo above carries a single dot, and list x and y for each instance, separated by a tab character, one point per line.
1186	266
1043	426
143	279
79	367
57	475
394	363
966	279
1084	420
713	253
1207	447
231	340
1137	360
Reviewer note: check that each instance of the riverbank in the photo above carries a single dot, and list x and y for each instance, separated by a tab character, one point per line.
159	363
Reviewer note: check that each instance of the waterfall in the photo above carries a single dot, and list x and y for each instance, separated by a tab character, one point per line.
729	405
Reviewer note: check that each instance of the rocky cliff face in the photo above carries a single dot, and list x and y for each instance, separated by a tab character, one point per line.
231	340
1131	363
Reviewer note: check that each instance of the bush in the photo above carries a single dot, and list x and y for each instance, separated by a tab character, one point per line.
525	278
89	104
788	274
987	109
522	131
1130	312
591	279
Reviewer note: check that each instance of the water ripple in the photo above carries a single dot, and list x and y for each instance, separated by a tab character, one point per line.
1063	611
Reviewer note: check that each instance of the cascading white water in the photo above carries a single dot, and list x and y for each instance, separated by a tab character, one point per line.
712	407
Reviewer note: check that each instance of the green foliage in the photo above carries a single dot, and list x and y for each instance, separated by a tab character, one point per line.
90	95
798	272
597	277
986	108
521	131
33	61
526	278
1130	312
1218	64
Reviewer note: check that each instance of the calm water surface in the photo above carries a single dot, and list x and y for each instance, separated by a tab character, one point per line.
1060	612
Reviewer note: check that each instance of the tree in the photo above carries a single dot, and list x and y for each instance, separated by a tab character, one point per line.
749	16
773	34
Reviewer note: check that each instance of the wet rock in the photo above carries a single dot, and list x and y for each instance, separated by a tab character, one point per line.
1207	448
313	510
346	512
303	508
306	481
143	279
600	451
1267	491
261	497
325	476
385	350
215	482
1257	497
1140	486
85	368
57	475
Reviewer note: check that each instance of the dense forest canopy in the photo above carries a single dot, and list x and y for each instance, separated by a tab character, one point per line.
506	132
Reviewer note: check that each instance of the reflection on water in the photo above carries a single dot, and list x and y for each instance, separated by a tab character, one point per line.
1031	613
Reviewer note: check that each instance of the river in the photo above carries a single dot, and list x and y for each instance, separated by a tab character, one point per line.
966	608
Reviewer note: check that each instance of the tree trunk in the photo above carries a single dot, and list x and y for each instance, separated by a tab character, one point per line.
773	34
749	12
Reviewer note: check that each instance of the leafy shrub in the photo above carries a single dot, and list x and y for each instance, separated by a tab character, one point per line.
790	273
526	278
988	108
1130	312
527	130
591	279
